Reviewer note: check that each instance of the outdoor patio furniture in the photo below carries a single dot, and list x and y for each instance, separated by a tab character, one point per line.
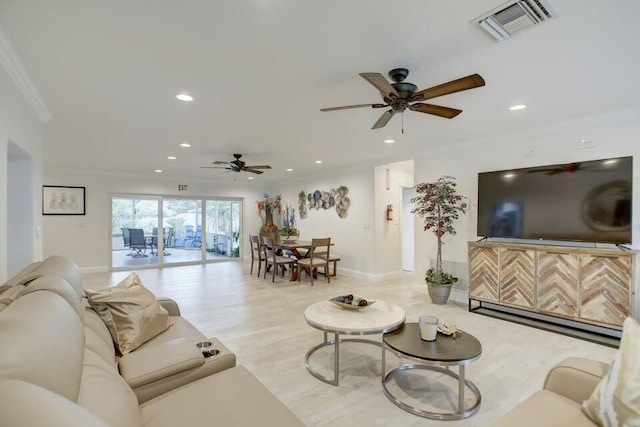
137	242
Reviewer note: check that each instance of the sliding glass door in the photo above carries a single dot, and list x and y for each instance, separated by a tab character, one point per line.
182	220
134	225
222	239
193	230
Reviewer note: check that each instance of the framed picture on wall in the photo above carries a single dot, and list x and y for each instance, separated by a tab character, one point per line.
60	200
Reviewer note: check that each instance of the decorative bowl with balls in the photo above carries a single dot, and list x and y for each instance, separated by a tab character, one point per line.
351	302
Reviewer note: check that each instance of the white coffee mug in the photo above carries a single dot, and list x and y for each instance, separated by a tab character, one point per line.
428	327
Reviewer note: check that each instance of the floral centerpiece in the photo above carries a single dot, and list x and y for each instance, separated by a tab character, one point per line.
289	230
269	204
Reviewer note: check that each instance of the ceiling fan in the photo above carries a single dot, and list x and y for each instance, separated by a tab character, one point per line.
401	95
237	165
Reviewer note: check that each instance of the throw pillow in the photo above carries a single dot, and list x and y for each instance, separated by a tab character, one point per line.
10	293
131	312
23	277
616	401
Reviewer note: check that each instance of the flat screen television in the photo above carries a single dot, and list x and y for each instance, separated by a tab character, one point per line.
583	201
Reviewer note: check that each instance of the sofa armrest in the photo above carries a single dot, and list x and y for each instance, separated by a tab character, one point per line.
156	363
170	305
575	378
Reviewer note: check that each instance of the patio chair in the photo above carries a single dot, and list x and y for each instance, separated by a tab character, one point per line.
188	237
318	257
272	258
125	238
256	252
167	238
137	242
197	238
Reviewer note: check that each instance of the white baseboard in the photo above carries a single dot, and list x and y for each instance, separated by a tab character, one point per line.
355	274
459	295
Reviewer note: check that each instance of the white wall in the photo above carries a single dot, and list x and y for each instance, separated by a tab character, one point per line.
353	236
388	242
19	125
369	246
85	239
408	230
613	135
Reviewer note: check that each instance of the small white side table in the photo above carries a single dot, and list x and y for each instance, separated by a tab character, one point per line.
379	318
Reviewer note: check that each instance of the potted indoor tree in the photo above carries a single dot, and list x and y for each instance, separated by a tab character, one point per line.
440	205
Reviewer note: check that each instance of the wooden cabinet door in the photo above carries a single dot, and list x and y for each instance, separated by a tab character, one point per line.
558	283
604	288
517	278
483	273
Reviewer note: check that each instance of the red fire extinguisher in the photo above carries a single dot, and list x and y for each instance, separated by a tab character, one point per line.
389	212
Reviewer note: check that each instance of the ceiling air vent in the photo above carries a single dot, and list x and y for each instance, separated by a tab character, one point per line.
514	16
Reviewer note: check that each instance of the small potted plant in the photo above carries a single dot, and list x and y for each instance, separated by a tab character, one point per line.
288	231
440	205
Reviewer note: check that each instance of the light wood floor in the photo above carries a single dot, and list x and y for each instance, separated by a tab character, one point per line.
263	323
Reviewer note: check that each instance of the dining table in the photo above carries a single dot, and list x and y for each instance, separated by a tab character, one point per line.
295	247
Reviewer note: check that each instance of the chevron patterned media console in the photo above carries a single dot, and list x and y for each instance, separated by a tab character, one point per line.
591	286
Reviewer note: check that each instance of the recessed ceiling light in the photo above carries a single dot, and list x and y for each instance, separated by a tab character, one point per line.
171	157
158	170
517	107
185	145
250	177
508	175
389	141
184	97
318	162
289	170
610	161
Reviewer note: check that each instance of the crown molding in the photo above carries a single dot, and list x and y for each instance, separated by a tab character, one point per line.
11	63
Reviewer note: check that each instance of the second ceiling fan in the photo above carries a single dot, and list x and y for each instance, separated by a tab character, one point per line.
402	95
237	166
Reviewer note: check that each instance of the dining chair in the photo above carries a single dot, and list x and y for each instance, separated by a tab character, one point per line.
318	256
256	252
138	243
272	258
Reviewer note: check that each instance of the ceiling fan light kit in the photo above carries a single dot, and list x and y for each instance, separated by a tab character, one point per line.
401	95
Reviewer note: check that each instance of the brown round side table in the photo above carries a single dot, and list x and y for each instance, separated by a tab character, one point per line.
439	355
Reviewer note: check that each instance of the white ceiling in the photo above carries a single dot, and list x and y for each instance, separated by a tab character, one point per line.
262	69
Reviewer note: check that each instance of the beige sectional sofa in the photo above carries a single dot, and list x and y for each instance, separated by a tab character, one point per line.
58	367
567	385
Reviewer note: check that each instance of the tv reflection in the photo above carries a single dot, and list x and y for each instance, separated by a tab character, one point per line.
506	220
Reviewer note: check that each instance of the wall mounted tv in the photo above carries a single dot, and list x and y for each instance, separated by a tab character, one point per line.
583	201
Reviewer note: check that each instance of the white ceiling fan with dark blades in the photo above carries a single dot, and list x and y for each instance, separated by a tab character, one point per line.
237	166
402	95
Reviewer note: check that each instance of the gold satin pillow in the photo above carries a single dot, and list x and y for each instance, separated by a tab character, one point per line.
131	312
616	400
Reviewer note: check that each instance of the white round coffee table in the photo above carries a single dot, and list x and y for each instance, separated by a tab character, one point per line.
379	318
